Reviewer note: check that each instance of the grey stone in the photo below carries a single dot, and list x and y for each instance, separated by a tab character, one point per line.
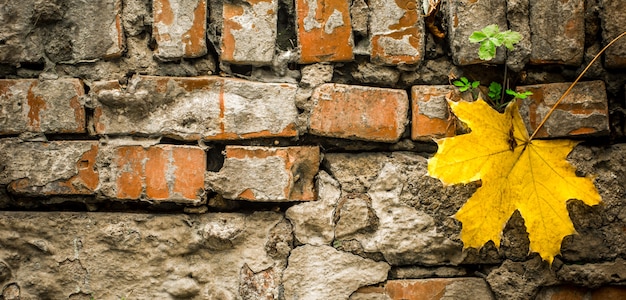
613	25
316	74
359	16
520	280
354	214
321	272
517	12
374	74
426	272
147	256
594	275
558	31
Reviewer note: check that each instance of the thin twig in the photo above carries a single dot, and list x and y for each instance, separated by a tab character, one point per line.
543	121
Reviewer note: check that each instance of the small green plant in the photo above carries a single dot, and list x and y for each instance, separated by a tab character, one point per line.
465	85
495	90
520	95
490	38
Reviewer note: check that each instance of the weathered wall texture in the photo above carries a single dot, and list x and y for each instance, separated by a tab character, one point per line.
277	149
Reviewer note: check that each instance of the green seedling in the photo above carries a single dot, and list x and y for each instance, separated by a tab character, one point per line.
465	85
495	90
520	95
490	38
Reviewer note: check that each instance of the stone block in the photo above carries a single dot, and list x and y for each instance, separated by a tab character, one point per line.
324	30
48	168
584	112
51	106
249	31
431	117
423	289
466	16
558	31
267	174
613	24
397	32
212	108
359	112
160	172
64	30
179	28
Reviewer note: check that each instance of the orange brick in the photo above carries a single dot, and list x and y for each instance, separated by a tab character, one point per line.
396	38
51	106
584	112
324	30
431	115
163	172
179	28
428	289
244	44
609	292
267	174
357	112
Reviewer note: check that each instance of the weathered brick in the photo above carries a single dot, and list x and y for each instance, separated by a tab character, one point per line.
161	172
249	31
71	30
397	32
212	108
613	24
51	106
48	168
179	28
358	112
267	174
558	31
427	289
569	292
583	112
466	16
324	30
431	114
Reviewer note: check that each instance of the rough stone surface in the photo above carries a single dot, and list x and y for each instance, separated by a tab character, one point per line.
613	25
558	31
466	16
517	12
249	32
61	31
520	280
322	272
411	289
431	117
324	30
48	168
51	106
397	32
60	255
170	106
267	174
362	113
179	28
583	112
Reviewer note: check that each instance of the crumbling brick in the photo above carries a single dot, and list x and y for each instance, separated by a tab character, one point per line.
558	31
397	32
431	114
571	292
51	106
434	288
179	28
613	24
358	112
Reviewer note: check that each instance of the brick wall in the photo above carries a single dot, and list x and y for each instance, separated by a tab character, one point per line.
218	149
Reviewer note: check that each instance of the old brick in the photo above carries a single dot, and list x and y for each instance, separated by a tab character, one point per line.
613	24
161	172
427	289
358	112
179	28
558	31
267	174
466	16
324	30
50	168
72	30
29	105
569	292
397	32
249	31
431	115
212	108
583	112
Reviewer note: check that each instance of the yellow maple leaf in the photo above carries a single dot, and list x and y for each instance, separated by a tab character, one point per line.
516	173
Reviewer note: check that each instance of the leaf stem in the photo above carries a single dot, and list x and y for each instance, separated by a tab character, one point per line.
543	121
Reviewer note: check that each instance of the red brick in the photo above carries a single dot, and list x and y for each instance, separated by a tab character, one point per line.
245	44
357	112
30	105
396	39
27	167
179	28
324	30
584	112
163	172
570	292
267	174
431	114
211	108
427	289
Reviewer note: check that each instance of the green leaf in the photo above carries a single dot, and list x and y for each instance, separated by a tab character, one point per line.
510	38
487	50
475	84
477	37
495	90
491	30
522	95
464	88
458	83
